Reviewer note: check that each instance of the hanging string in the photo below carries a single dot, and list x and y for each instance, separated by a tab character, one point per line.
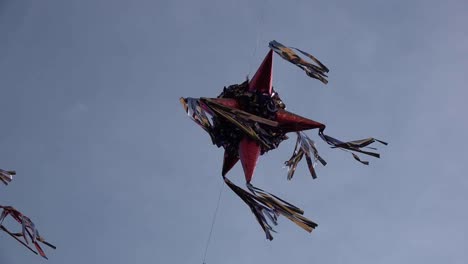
213	223
258	28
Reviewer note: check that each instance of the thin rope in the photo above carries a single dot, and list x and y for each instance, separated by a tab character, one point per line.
213	222
258	35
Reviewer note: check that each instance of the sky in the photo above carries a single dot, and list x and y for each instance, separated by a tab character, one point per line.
111	169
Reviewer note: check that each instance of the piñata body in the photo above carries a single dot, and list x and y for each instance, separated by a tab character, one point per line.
250	119
28	229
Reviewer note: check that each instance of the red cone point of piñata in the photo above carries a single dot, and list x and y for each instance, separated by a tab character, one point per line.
262	80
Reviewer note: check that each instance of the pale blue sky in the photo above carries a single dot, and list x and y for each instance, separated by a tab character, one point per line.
112	170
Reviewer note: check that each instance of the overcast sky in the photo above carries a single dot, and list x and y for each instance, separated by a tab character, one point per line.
111	169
